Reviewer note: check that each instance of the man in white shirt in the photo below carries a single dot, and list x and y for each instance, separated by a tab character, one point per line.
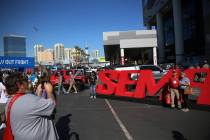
3	101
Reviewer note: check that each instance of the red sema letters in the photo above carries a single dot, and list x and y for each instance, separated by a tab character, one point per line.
115	82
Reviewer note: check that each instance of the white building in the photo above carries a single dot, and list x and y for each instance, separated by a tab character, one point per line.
38	48
45	57
130	47
95	54
59	53
68	55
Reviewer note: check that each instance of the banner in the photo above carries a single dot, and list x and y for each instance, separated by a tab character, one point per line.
17	62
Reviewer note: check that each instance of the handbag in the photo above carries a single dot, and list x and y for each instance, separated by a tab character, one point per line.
8	131
168	98
188	90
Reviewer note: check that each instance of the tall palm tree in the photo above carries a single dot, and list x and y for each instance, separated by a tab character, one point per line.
78	51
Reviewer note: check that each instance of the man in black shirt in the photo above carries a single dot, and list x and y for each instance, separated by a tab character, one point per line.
92	81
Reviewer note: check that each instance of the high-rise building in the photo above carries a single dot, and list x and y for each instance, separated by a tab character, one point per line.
14	45
183	29
45	57
37	48
95	54
68	55
59	53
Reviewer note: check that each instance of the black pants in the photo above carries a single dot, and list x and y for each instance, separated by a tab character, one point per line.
184	98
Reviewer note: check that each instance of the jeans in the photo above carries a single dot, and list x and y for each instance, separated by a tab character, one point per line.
184	98
61	87
92	90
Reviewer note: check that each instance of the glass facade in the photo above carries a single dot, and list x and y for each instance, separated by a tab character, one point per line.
15	46
193	28
169	37
193	35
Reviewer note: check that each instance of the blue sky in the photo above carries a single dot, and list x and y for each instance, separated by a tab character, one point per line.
71	22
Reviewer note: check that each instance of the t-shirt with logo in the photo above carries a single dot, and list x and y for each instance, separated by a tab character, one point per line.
174	82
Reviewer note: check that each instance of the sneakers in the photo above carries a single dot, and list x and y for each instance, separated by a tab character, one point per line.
65	93
3	125
185	109
172	106
92	97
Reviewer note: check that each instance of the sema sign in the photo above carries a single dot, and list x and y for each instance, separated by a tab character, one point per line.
16	62
116	82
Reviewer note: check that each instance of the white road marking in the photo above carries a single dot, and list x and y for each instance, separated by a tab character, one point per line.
127	134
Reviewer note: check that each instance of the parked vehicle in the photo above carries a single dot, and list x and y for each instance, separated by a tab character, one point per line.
156	70
79	78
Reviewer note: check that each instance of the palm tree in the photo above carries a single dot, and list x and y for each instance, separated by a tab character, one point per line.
78	51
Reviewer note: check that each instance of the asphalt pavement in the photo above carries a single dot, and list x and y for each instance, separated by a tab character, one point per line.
81	118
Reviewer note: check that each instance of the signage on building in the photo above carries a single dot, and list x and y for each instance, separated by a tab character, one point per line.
101	59
17	62
115	82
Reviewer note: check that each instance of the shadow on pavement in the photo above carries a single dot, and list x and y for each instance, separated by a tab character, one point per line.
154	101
64	131
177	135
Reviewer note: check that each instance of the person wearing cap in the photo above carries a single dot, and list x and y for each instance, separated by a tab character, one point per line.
174	85
184	83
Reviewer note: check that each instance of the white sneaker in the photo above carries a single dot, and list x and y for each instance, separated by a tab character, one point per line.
185	109
91	97
94	97
3	125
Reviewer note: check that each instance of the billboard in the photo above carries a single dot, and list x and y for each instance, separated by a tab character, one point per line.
17	62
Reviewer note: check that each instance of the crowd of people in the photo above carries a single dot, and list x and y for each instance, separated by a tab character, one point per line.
35	92
26	123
